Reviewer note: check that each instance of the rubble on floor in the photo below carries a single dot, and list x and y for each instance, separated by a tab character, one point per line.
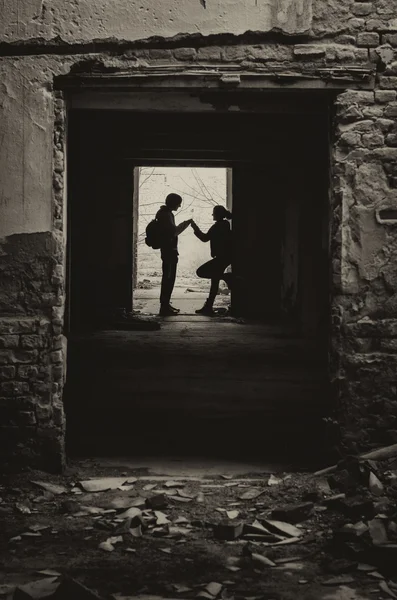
127	535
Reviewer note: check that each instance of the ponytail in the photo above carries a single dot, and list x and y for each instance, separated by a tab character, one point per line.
223	212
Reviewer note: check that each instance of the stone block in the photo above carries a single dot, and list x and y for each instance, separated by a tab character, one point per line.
392	22
7	372
373	112
391	139
356	23
33	341
350	138
43	412
185	53
345	39
14	388
9	341
20	403
57	357
42	388
12	325
271	52
307	51
57	373
58	415
388	82
362	9
349	54
160	53
373	140
359	97
385	96
368	39
209	54
17	356
382	328
58	161
390	38
365	126
391	111
57	342
27	372
384	124
235	53
376	25
386	154
388	345
391	68
350	115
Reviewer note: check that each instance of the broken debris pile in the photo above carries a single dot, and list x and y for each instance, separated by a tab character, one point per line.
365	494
335	528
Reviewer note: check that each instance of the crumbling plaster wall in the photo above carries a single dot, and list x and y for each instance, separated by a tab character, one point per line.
42	40
86	20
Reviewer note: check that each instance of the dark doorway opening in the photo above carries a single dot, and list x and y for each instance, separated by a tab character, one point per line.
262	384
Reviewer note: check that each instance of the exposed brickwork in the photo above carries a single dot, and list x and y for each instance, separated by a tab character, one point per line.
28	393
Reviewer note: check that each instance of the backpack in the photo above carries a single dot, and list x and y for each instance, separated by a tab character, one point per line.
154	234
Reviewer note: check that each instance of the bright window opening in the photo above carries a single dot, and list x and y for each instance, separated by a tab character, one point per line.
201	189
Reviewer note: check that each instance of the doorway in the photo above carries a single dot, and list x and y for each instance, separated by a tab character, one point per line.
267	379
201	189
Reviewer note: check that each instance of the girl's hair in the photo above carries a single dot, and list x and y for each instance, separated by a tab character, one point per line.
223	212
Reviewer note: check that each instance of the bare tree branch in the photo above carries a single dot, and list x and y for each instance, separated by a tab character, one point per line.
141	183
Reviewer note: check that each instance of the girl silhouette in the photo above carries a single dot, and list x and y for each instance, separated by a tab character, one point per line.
220	238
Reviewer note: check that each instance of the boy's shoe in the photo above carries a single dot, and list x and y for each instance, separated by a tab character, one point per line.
167	311
176	310
206	310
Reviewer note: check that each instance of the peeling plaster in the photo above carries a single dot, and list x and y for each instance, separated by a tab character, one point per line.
26	144
86	20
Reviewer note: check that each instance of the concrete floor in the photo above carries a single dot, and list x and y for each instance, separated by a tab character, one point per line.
197	387
188	296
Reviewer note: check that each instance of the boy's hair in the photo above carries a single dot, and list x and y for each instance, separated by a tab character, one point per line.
173	200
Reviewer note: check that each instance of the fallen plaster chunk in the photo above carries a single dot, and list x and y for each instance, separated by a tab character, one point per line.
274	480
251	494
214	588
107	546
285	529
385	588
375	485
263	561
131	513
41	588
51	487
105	483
